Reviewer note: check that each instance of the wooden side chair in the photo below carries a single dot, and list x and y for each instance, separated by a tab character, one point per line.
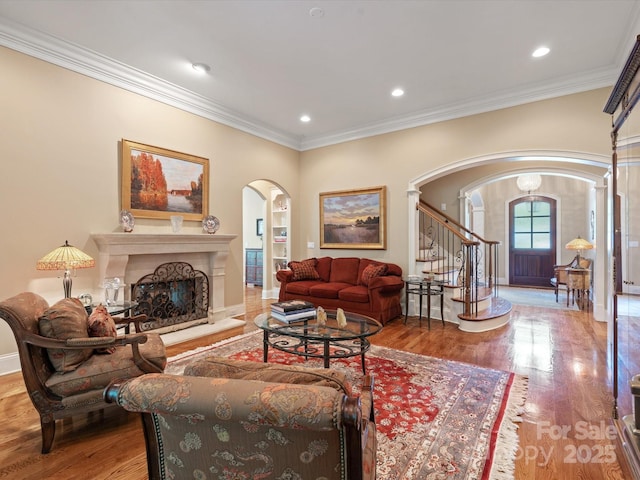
66	371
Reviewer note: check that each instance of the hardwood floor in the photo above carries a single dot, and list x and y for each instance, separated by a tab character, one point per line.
562	352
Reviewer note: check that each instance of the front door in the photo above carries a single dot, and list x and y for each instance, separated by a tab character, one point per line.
532	246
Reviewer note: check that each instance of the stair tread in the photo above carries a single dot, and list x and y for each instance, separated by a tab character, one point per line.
430	259
497	308
440	270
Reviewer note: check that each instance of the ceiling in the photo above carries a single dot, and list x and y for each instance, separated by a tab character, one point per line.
337	61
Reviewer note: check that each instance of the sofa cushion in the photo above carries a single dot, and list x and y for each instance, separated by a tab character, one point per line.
328	290
224	367
303	287
101	324
304	270
358	293
345	270
64	320
323	267
99	370
373	270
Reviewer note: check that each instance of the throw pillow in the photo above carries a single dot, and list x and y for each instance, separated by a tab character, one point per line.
304	270
101	324
64	320
373	270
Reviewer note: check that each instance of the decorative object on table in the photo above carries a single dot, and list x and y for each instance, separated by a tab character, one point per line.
127	221
579	244
87	300
158	183
210	224
354	219
176	223
292	310
407	445
321	317
341	318
67	258
111	288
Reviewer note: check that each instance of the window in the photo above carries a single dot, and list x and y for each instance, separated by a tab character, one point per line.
532	225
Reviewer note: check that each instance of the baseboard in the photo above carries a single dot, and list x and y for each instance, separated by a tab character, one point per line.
9	363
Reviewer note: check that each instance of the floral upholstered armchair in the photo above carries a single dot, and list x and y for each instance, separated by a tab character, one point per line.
220	427
68	357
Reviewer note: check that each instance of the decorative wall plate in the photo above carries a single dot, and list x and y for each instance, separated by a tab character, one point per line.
210	224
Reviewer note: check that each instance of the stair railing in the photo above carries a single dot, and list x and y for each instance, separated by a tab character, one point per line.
456	255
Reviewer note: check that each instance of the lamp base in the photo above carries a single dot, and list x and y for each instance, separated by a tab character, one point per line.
66	283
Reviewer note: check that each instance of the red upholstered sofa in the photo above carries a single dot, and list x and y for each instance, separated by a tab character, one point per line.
358	285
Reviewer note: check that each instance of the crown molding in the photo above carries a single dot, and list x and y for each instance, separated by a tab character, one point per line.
589	81
94	65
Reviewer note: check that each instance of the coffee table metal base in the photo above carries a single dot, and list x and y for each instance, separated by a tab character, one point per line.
325	349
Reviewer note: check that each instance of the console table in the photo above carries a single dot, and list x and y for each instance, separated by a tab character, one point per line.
578	282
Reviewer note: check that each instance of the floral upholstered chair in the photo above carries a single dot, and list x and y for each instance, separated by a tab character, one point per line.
68	357
220	427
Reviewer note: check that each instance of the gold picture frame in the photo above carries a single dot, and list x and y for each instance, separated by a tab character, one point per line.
159	183
354	219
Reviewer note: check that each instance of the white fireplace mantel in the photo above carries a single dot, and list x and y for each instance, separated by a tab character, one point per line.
130	256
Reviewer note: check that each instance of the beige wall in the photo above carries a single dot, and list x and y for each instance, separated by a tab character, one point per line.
59	155
573	124
59	160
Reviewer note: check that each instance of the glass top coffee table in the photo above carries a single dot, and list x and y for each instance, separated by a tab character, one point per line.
310	340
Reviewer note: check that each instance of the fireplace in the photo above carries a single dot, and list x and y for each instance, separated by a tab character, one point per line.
132	256
175	293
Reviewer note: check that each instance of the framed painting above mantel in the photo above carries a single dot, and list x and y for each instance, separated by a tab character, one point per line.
354	219
159	183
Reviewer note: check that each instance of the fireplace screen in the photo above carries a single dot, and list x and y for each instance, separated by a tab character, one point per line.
173	294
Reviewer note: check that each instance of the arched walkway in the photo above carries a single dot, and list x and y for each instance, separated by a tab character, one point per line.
579	165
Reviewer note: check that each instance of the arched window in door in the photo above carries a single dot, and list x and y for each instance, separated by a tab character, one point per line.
532	248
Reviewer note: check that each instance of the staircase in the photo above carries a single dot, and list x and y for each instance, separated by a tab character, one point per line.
467	263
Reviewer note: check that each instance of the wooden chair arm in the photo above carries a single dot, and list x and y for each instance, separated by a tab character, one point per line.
135	319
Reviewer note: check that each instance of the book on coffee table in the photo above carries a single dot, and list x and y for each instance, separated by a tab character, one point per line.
291	306
294	316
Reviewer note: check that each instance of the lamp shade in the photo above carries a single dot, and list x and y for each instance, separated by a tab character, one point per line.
65	257
579	244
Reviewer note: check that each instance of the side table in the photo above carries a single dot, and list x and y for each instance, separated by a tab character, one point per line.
578	281
424	288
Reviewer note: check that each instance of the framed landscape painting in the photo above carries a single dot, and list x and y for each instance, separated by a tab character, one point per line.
159	183
353	219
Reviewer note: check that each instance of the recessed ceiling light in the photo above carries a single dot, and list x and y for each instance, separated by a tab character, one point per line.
540	52
316	12
305	118
201	67
397	92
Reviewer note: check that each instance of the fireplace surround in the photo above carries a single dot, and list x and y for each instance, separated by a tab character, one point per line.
131	256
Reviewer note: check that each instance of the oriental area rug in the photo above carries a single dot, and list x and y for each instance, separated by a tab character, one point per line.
435	419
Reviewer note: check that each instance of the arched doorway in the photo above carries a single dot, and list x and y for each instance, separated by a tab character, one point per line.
473	173
266	234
